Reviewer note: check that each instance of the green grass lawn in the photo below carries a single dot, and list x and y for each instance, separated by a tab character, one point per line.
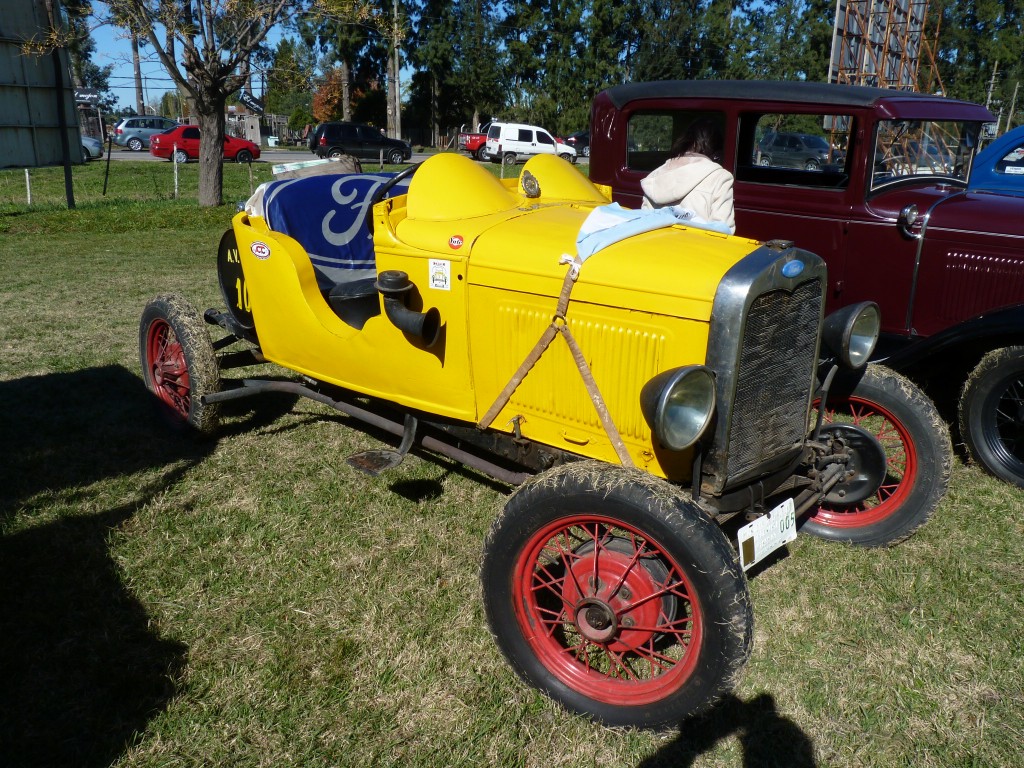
254	601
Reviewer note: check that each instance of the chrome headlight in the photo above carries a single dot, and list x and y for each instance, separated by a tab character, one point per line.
852	332
678	405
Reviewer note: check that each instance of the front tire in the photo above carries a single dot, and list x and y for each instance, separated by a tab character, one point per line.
178	363
568	157
135	145
615	595
395	157
509	158
181	156
991	414
244	156
918	459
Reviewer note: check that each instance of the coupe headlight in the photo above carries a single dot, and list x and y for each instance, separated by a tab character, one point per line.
852	332
678	405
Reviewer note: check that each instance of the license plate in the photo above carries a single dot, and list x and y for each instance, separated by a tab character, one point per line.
760	538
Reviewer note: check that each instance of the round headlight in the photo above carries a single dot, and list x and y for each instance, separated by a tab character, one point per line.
852	333
678	405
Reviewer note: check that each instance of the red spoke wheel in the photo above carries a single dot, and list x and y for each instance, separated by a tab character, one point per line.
178	363
918	458
612	592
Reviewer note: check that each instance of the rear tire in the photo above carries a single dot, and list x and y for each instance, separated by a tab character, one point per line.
180	156
991	414
243	156
918	459
395	157
178	363
509	158
135	145
615	595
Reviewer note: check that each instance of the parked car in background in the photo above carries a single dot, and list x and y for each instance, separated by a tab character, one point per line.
135	132
943	259
475	143
999	168
182	144
92	148
794	150
580	141
512	143
361	141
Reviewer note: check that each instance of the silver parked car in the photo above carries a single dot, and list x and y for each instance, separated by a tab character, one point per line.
92	148
134	132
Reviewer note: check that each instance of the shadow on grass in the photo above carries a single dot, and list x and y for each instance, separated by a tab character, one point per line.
82	667
768	739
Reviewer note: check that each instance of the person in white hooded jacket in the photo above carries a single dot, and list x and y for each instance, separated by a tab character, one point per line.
692	179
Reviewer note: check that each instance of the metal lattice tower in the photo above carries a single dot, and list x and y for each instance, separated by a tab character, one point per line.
885	43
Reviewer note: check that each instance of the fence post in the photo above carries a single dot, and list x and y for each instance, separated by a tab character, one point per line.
174	159
382	159
28	186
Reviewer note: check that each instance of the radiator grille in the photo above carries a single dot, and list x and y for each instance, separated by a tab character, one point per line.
773	378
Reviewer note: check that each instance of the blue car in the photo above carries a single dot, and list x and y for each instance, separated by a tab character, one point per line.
1000	166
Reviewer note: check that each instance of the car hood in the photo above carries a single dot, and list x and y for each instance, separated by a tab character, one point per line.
979	211
674	271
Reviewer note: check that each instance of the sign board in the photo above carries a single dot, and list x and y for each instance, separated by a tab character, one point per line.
87	96
251	102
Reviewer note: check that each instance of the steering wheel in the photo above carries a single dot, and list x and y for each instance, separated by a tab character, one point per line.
381	192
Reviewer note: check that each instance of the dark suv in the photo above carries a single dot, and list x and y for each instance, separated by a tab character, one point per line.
362	141
794	150
891	214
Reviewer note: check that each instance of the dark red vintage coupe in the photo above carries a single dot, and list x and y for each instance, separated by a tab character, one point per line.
887	205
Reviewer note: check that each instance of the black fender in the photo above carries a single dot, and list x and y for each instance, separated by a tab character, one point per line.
966	341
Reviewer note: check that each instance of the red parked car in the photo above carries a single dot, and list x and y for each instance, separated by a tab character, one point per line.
887	205
183	144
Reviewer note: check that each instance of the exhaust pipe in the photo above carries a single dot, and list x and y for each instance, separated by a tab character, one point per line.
394	285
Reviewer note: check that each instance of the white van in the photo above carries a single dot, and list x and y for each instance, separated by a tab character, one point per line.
512	143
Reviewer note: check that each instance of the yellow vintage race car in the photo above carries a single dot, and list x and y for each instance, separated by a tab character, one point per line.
668	401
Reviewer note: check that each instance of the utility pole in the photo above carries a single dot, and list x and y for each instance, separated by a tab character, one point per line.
1013	105
991	85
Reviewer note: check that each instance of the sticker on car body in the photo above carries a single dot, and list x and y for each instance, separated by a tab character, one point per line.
455	242
440	274
260	250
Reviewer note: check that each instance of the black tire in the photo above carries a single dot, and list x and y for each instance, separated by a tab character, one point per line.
918	459
395	157
684	597
765	161
135	144
335	152
811	165
180	156
586	151
243	156
569	158
509	158
178	363
481	154
991	414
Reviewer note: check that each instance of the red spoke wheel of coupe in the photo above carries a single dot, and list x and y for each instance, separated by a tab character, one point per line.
178	362
613	593
918	459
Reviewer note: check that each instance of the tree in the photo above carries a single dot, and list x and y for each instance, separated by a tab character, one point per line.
217	39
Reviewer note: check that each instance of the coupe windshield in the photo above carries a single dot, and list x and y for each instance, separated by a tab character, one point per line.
923	148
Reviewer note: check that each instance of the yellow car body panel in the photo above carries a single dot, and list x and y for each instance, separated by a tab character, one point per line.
469	243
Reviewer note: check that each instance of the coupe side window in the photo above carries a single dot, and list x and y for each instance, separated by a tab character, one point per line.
190	133
650	135
808	150
1012	163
